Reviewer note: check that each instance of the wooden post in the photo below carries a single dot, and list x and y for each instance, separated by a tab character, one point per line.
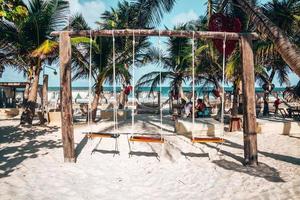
66	97
250	137
45	97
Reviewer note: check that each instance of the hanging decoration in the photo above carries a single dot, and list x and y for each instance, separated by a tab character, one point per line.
128	89
221	23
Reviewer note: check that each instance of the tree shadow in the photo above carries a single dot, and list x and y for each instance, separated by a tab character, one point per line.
294	137
262	170
20	144
280	157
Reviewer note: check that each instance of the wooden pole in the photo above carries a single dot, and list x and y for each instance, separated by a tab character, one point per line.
66	97
45	97
250	136
162	33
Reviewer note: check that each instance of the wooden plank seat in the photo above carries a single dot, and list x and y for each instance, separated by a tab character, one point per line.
102	135
146	139
207	139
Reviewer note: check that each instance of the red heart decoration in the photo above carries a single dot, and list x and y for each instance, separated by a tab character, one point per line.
221	23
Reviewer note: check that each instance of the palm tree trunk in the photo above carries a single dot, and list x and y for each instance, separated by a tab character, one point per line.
181	93
28	113
288	51
266	104
95	103
26	91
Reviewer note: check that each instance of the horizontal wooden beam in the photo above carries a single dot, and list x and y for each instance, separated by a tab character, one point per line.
162	33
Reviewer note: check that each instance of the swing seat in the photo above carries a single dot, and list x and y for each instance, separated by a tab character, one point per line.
102	135
207	140
146	139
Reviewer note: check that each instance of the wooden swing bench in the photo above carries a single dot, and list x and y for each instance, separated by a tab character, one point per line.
102	135
207	139
146	139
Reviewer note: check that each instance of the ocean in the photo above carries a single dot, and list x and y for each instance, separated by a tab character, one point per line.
166	90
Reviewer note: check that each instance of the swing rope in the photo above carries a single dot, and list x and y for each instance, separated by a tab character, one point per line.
160	85
223	94
223	83
133	84
115	133
142	138
193	81
115	114
90	83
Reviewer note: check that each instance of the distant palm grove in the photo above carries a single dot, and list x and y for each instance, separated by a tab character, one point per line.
26	44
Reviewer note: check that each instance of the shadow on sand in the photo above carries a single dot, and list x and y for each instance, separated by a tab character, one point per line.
114	152
193	155
13	152
280	157
146	154
262	170
80	146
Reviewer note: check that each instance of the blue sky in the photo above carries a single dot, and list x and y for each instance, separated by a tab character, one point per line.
184	10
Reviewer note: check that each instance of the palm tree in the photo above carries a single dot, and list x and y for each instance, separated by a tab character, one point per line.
176	62
283	14
233	68
152	11
30	40
13	10
289	52
124	16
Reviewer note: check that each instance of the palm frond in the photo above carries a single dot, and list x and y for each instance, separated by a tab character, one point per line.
77	23
47	49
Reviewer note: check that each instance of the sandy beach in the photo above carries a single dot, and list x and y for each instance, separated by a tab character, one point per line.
32	167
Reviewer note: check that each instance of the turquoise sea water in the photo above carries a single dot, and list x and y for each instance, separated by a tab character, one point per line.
166	90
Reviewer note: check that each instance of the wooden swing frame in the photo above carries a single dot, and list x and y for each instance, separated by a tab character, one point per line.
250	136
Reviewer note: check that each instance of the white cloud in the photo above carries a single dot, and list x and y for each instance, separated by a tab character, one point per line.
182	18
91	10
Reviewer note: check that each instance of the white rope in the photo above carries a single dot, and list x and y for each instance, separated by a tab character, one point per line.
193	81
223	83
114	83
90	82
160	85
133	84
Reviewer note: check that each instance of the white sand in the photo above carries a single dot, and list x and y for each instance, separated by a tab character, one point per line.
31	166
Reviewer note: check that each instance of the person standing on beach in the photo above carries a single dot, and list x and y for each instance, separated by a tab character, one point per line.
276	105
